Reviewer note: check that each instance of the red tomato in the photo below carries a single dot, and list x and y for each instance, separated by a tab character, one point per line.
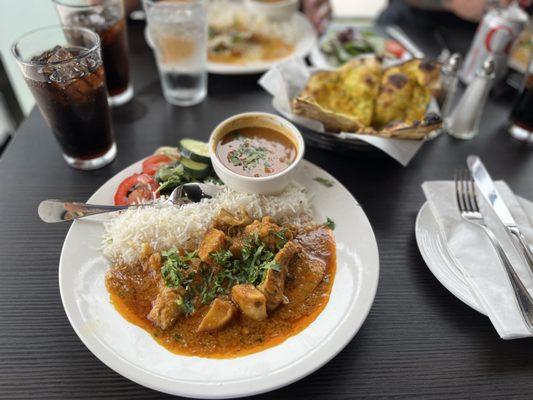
152	164
394	48
136	189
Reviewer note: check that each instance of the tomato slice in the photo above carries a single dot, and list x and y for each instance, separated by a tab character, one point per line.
152	164
136	189
394	48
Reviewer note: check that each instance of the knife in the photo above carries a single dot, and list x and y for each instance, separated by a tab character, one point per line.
487	188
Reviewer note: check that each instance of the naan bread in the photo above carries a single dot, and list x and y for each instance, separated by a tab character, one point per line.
405	93
363	97
342	99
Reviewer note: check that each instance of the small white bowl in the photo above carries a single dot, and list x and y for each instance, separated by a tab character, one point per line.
272	184
281	10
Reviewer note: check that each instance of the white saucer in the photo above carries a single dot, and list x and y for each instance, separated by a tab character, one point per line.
434	250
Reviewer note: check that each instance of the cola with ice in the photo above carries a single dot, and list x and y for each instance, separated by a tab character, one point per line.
105	17
71	95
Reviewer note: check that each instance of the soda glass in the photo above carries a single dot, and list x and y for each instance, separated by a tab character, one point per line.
178	30
63	69
105	17
521	118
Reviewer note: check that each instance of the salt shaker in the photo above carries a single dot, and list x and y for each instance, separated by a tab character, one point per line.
449	80
463	123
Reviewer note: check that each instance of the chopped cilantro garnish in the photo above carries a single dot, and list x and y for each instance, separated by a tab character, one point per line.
329	223
203	283
186	305
324	181
247	155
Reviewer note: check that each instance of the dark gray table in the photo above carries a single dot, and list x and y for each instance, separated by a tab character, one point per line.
419	341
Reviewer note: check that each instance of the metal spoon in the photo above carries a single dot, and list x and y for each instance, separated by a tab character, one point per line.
58	211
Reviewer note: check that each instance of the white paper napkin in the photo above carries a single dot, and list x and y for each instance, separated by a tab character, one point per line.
286	80
477	259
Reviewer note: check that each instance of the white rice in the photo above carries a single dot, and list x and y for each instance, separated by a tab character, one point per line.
183	227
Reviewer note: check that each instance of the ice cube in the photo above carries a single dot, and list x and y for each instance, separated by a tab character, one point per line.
63	73
63	67
87	19
44	56
59	54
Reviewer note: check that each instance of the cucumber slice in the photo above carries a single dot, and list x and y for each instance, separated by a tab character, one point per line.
195	150
196	169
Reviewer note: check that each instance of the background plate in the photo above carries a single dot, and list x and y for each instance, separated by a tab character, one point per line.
306	41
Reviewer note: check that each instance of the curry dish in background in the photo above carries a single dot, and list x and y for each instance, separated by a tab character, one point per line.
256	151
364	97
239	45
248	286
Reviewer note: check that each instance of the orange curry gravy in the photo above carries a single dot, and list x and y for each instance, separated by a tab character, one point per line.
257	48
132	292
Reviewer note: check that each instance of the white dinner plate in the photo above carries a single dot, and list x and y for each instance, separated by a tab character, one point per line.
132	352
306	39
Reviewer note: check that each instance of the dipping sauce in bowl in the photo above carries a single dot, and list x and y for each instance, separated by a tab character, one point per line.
256	151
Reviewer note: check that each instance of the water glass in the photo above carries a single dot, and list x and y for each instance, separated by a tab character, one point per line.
105	17
178	30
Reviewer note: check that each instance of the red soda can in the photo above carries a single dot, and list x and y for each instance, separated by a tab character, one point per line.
494	38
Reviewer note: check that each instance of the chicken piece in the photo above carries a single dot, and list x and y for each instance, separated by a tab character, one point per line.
153	263
165	309
237	243
274	283
213	241
251	301
309	272
219	314
226	220
268	232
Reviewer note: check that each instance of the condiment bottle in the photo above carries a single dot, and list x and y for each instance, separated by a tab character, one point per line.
463	123
449	79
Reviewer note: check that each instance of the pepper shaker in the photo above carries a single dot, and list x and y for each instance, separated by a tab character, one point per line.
449	80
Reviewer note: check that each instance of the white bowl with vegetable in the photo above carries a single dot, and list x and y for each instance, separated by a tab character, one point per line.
256	152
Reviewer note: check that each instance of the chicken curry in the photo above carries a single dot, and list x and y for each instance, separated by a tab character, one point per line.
238	45
248	286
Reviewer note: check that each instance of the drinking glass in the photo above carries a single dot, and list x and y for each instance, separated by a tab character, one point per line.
178	30
105	17
63	68
521	118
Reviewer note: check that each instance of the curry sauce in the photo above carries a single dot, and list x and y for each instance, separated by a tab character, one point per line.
258	48
256	151
132	289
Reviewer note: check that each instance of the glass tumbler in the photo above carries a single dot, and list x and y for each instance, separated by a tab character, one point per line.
105	17
63	69
521	118
178	30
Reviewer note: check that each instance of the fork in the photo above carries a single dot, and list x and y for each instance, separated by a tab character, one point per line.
468	207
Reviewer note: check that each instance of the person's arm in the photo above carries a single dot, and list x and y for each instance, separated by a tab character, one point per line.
318	12
432	5
470	10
